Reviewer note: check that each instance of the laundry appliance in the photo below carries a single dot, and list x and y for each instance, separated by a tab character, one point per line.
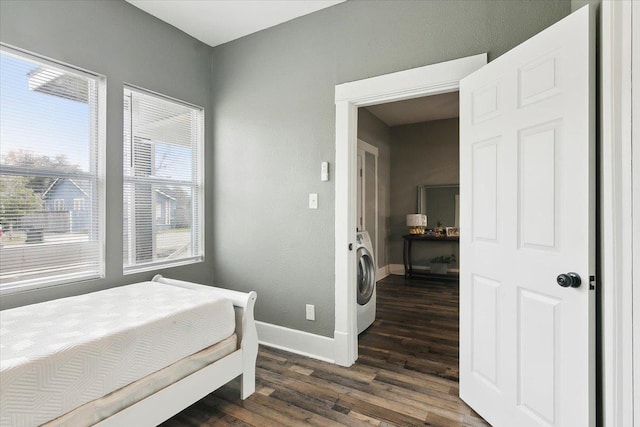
366	286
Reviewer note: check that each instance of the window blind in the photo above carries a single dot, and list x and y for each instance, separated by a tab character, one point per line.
163	185
51	178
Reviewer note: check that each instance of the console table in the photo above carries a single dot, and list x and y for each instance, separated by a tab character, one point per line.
409	271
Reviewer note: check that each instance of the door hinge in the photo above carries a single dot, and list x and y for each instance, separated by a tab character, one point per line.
592	283
360	172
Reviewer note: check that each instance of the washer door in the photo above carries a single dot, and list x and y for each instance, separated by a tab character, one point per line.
366	275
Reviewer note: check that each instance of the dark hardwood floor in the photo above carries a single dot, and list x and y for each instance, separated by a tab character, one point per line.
406	373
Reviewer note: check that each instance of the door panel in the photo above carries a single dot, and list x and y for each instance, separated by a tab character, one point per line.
484	211
485	324
537	213
537	353
527	204
538	80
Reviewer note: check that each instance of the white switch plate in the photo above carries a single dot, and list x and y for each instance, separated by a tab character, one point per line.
324	171
313	201
311	312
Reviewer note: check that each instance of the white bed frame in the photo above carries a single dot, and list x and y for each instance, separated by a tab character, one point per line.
167	402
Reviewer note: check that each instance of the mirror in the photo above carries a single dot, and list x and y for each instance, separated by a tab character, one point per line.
441	203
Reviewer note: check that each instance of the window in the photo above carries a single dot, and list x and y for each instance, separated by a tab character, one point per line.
51	144
58	205
78	204
163	190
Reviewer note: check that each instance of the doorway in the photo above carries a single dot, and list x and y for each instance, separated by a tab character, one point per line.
350	96
414	83
418	164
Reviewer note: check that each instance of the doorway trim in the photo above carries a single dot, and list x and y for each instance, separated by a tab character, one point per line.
619	201
365	147
413	83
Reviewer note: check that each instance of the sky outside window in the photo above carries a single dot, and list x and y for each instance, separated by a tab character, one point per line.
40	123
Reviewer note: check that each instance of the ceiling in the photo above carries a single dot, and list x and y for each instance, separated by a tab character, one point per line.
426	109
215	22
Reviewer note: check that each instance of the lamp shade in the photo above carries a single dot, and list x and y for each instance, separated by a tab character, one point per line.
416	220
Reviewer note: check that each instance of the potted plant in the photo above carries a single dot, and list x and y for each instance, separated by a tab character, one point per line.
440	264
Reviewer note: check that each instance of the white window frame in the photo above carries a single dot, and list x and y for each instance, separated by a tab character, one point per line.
78	204
58	205
197	233
101	81
158	215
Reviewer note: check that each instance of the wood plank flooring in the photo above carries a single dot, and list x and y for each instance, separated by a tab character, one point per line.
406	373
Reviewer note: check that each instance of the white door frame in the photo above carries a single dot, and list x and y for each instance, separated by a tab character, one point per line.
417	82
635	179
619	230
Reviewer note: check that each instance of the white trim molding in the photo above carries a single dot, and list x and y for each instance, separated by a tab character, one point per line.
365	147
396	269
382	272
635	261
414	83
295	341
616	224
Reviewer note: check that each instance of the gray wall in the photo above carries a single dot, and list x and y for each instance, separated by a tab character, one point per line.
274	124
421	154
270	97
577	4
125	44
373	131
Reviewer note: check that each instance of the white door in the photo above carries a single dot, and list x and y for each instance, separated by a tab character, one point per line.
527	162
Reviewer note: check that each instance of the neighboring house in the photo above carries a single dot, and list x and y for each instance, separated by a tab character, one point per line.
165	209
68	195
73	196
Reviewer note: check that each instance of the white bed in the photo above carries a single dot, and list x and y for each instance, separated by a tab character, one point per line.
134	355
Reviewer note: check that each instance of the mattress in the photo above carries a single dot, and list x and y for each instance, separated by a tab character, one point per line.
99	409
58	355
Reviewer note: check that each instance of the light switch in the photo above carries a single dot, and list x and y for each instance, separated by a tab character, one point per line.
324	171
313	201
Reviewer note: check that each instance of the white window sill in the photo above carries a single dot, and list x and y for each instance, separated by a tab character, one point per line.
161	265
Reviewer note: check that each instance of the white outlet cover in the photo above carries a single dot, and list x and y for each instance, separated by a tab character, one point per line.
313	201
311	312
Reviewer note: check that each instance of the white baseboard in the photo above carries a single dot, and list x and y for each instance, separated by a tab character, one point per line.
341	351
382	272
294	341
397	269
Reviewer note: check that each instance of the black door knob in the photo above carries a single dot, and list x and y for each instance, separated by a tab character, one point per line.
569	280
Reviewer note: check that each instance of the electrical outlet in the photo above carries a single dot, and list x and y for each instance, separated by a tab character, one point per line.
311	312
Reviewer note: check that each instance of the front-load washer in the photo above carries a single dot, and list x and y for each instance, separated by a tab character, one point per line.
366	285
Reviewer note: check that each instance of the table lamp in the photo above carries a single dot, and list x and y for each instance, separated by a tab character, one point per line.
416	223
